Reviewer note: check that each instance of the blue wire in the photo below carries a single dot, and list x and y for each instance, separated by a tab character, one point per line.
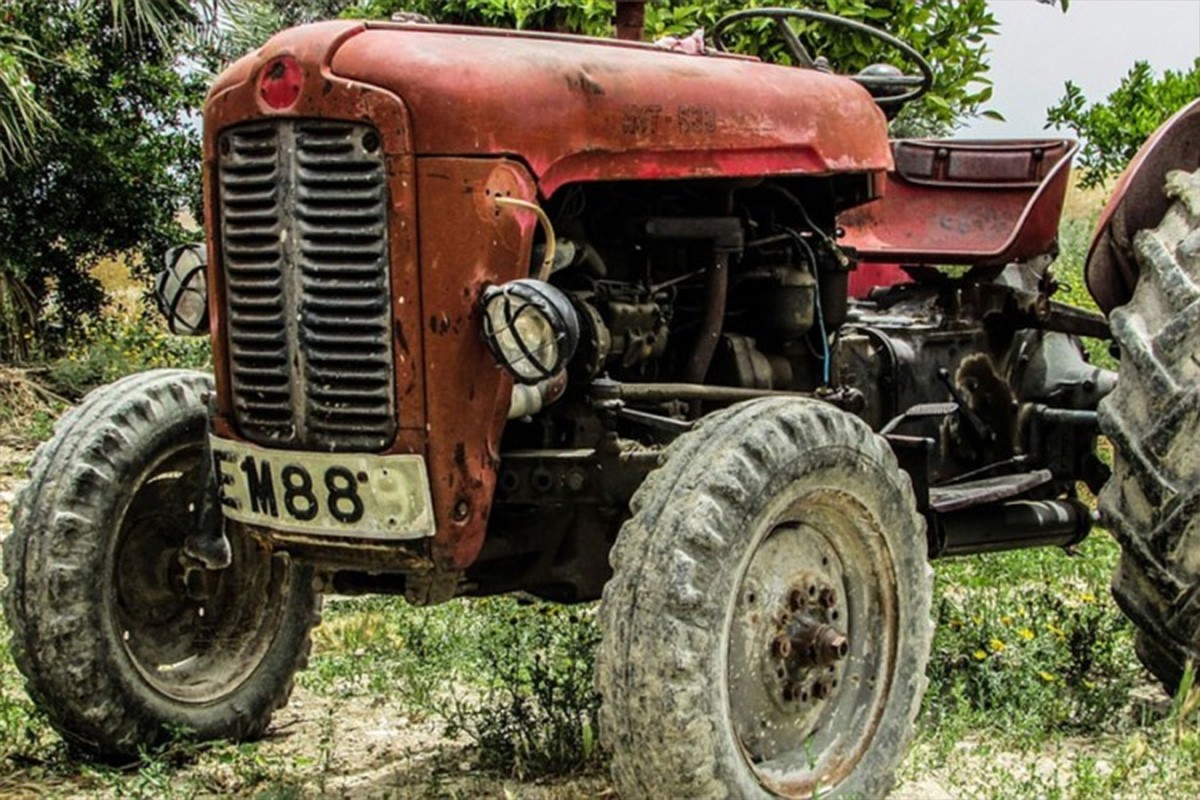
821	325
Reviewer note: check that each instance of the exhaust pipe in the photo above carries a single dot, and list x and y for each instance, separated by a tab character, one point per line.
1011	526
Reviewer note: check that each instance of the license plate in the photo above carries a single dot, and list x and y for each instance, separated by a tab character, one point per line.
328	494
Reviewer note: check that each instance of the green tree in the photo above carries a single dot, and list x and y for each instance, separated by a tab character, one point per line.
949	33
113	173
1113	130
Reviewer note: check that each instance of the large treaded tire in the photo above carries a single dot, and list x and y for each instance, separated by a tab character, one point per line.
667	664
1152	502
112	470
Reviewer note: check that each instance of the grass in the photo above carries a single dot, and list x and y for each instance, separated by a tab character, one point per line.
1034	689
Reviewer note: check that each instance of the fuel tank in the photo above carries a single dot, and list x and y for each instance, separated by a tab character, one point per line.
579	109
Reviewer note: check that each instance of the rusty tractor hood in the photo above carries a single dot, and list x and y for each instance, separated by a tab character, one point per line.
578	109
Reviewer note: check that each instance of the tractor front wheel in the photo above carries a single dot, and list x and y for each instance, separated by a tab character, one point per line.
767	627
123	639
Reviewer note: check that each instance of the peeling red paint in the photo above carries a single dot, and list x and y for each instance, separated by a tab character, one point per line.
598	109
467	394
964	203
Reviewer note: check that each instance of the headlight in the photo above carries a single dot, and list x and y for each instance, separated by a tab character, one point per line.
531	328
182	290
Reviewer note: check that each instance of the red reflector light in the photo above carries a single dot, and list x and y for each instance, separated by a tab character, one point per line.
279	83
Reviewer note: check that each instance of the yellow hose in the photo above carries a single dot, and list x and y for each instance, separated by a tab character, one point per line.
551	241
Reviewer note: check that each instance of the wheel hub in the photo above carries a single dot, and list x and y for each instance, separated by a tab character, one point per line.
810	642
803	655
194	634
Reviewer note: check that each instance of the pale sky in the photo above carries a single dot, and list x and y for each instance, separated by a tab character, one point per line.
1094	44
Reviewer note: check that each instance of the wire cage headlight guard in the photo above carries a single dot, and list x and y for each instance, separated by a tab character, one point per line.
182	290
531	328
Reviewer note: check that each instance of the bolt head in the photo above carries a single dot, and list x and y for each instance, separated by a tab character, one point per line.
781	646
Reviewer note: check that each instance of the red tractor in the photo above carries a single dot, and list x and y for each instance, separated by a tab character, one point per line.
496	311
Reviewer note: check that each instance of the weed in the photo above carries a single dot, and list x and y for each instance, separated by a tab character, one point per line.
514	678
104	349
1034	644
539	713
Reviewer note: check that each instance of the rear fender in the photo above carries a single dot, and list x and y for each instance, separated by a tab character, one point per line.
1138	202
964	202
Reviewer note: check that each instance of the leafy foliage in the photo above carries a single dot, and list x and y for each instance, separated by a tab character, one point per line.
1114	129
949	33
116	343
122	161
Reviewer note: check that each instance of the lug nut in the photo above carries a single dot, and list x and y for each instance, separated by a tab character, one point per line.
828	598
781	646
795	599
790	692
820	690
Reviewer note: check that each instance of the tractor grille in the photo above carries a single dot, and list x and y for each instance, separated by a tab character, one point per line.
304	244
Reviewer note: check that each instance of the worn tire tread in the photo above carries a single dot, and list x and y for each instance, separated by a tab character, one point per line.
684	518
50	562
1151	502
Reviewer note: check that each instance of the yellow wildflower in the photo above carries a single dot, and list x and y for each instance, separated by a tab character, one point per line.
997	645
980	655
1025	634
1048	677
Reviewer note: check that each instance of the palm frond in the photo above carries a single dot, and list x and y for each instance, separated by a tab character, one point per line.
228	29
157	19
23	120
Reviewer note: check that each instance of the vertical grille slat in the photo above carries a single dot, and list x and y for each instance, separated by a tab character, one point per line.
304	208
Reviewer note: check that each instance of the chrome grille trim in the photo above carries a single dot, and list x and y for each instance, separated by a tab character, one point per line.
304	241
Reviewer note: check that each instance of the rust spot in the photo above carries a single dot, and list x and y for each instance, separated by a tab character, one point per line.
401	339
584	83
460	456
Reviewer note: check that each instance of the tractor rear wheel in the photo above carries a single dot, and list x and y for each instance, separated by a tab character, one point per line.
1152	502
767	627
124	641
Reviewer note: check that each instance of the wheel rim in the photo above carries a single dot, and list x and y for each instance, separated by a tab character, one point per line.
812	643
194	635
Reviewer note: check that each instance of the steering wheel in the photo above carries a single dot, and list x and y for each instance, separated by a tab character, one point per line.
890	90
